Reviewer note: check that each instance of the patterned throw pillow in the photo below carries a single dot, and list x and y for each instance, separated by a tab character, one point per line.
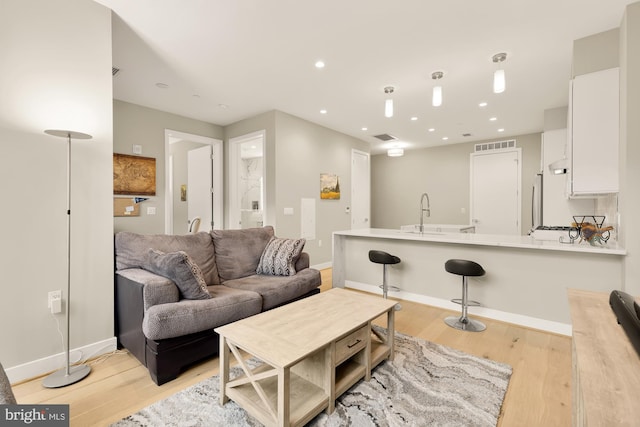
179	267
280	256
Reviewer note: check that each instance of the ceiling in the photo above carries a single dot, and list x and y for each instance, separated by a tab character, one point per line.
227	60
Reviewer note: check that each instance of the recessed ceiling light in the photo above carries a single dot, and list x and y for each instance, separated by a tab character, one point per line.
319	64
223	106
444	138
323	111
196	96
501	130
482	104
162	85
431	129
414	118
364	128
493	119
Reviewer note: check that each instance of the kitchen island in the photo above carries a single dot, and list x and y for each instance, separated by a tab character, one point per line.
526	281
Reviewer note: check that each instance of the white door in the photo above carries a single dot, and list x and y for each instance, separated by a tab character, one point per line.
495	192
360	190
199	185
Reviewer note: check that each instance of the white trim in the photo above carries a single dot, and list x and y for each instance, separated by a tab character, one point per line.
322	266
503	316
218	183
48	364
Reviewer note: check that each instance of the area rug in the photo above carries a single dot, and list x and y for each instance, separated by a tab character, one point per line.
426	384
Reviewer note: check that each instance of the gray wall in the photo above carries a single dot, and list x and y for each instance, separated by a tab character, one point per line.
443	173
297	152
629	198
596	52
60	56
135	124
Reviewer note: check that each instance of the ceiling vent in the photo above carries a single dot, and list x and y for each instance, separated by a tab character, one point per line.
385	137
498	145
114	71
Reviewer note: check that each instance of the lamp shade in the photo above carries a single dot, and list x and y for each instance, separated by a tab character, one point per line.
388	108
436	99
499	82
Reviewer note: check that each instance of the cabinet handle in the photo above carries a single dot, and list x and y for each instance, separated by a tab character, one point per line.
354	344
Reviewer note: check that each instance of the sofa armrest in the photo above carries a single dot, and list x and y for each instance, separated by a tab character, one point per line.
303	262
155	289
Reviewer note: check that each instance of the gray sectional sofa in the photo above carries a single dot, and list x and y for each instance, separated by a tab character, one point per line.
166	308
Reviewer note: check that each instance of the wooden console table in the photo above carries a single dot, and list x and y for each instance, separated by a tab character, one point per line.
314	350
606	367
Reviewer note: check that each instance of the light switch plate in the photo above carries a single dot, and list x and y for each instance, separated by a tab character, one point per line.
288	211
151	210
137	149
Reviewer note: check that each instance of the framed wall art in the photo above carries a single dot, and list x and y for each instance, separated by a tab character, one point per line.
329	186
134	175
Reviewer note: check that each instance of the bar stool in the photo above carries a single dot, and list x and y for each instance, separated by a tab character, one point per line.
465	269
384	258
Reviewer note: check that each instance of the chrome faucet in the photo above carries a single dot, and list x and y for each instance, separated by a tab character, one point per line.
423	210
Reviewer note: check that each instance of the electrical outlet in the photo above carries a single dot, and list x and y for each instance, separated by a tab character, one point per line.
54	301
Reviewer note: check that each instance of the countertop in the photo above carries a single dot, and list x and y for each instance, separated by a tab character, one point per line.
509	241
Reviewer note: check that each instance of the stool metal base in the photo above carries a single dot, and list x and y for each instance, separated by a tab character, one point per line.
465	324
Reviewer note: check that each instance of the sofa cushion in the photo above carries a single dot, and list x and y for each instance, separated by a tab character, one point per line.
280	256
191	316
276	290
131	250
179	267
238	252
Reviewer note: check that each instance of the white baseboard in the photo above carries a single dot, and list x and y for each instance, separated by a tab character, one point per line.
323	265
54	362
503	316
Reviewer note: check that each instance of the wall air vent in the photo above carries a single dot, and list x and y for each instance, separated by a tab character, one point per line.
497	145
385	137
114	71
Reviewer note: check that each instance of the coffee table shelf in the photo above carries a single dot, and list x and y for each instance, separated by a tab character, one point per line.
306	399
313	351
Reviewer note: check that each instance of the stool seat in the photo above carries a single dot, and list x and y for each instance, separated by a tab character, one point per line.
463	267
380	257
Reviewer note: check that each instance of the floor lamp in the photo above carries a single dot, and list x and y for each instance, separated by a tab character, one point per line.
69	374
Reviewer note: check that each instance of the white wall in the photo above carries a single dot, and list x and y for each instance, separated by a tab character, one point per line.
56	58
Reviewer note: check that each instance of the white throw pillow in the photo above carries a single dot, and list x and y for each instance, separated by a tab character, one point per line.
279	257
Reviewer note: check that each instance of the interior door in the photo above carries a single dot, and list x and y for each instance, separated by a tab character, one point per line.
360	190
495	192
199	185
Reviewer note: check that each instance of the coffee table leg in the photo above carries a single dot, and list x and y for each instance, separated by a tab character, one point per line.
224	369
283	397
391	332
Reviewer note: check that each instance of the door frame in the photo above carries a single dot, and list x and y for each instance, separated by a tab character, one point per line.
518	151
233	210
218	176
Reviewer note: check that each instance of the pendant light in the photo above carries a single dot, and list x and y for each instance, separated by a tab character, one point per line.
499	82
388	103
436	98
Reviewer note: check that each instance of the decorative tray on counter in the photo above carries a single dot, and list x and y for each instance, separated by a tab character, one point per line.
590	228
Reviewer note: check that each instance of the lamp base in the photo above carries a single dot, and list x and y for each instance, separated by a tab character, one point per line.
61	379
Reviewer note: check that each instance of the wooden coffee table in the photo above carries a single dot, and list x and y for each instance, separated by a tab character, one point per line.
314	350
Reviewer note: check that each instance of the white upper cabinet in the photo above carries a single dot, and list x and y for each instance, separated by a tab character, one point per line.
594	123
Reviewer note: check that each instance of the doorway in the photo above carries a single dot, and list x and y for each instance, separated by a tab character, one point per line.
247	181
193	182
495	191
360	190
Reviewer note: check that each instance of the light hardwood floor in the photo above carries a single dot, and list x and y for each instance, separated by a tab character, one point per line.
539	391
